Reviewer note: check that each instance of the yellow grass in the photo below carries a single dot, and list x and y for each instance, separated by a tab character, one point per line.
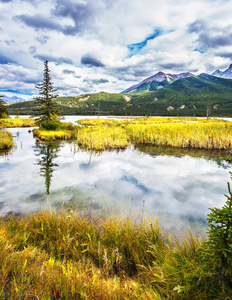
102	137
177	132
6	140
7	123
50	135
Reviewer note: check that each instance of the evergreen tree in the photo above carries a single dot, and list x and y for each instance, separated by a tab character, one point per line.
3	110
48	110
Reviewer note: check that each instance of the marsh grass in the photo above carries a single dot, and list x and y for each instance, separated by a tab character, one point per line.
52	135
8	123
51	255
101	134
66	131
6	140
102	137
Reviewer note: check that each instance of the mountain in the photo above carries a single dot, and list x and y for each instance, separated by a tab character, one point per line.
155	82
188	97
224	74
13	99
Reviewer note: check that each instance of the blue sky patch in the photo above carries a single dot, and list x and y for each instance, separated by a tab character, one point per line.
197	50
135	48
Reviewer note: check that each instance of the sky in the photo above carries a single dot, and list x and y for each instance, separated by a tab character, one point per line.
109	45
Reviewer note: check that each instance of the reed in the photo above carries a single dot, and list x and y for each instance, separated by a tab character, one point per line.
6	140
8	122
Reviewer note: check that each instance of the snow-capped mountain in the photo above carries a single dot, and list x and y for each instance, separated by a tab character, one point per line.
160	77
13	99
224	74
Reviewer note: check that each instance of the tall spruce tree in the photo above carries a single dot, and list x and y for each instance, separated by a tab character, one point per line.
48	109
3	110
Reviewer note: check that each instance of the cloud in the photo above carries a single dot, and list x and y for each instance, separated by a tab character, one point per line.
66	71
81	13
50	58
42	39
91	61
5	60
5	1
96	81
38	21
210	36
16	77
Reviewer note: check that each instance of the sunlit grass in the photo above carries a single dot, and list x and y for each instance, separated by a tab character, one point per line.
176	132
52	135
8	122
6	140
102	137
209	135
65	256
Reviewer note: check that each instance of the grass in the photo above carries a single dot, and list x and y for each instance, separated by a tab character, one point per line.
8	122
50	255
6	140
103	134
102	138
65	132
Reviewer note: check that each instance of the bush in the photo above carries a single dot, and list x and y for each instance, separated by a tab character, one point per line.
52	124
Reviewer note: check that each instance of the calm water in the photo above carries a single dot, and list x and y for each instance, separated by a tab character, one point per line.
177	185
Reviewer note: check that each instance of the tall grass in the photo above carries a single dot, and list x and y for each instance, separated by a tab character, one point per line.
58	256
102	137
50	255
176	132
6	140
210	135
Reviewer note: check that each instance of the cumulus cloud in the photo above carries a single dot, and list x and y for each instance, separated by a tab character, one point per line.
209	36
38	21
91	61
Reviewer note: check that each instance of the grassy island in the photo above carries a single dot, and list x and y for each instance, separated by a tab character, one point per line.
103	134
8	122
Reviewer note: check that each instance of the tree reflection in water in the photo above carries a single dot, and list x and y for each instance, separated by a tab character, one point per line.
47	153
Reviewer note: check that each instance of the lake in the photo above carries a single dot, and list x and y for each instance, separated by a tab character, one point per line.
175	185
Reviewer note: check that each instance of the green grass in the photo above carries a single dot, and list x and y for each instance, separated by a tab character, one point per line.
6	140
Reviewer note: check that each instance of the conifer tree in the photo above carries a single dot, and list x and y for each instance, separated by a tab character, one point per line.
3	110
48	110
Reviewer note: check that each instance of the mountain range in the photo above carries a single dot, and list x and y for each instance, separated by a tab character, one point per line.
159	95
161	80
13	99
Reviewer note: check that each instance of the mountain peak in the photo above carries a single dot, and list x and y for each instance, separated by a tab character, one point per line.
224	74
